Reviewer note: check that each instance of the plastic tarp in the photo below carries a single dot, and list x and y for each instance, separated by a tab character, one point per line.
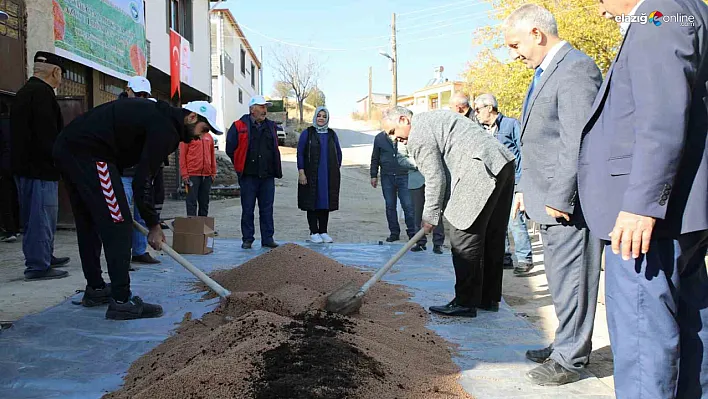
69	351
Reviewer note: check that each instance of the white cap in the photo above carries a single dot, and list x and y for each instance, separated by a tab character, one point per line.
139	84
259	100
203	108
3	16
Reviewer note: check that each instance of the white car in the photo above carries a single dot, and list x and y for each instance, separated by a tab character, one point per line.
281	133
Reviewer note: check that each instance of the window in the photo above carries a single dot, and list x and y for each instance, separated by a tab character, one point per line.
434	103
243	62
179	18
240	96
229	67
253	76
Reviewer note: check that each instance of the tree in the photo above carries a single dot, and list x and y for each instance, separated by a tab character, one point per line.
282	90
578	23
301	72
316	98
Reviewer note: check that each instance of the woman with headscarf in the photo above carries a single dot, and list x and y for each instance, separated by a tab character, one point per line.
319	158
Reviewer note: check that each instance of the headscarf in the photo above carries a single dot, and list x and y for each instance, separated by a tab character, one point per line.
321	129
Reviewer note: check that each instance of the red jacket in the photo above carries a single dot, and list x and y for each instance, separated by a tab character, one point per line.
197	158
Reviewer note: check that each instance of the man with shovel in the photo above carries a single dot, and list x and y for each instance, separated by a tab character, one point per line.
469	176
91	152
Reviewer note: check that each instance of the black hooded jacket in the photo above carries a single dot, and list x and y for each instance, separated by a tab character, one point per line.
126	133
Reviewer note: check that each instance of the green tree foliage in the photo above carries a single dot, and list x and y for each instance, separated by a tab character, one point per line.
316	98
579	23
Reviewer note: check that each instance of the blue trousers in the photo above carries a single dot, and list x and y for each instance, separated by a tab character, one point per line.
522	241
39	209
262	190
139	240
657	314
393	186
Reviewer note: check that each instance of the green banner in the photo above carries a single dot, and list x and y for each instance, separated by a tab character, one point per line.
107	35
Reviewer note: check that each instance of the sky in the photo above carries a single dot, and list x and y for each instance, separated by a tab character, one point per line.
346	36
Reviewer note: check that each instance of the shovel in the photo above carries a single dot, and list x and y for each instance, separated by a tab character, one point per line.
348	298
221	291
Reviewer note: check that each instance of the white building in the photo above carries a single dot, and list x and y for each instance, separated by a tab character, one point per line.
235	69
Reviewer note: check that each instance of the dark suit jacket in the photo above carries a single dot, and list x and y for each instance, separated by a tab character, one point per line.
644	148
551	131
35	123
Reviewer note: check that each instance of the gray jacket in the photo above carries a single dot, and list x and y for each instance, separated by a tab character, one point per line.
460	162
404	158
551	130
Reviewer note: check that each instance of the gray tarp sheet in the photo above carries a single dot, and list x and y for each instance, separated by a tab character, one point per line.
73	352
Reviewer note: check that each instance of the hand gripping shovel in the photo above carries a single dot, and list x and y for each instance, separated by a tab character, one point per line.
221	291
348	298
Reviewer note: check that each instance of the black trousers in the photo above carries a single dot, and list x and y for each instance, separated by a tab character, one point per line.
199	193
418	198
318	221
9	205
102	217
478	251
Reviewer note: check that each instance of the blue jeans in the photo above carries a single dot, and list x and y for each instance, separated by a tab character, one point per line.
393	186
139	240
263	190
39	209
522	241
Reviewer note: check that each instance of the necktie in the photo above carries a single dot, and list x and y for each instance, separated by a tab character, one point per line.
534	82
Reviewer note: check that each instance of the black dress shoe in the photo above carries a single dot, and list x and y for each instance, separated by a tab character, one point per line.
489	307
59	262
50	274
132	309
453	309
550	373
392	238
539	355
271	244
145	259
418	248
522	269
246	245
438	249
96	297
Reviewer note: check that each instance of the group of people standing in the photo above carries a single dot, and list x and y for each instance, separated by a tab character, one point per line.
611	164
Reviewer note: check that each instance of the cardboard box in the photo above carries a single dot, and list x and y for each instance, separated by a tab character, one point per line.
193	235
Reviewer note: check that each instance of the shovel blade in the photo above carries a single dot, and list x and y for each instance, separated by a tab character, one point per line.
344	300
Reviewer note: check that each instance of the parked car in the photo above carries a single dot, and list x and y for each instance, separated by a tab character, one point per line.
281	133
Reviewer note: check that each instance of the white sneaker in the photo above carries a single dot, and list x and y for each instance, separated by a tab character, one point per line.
316	239
326	238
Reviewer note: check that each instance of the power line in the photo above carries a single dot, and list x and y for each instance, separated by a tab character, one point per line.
433	8
468	5
474	16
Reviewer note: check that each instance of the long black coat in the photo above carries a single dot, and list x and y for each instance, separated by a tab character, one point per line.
307	194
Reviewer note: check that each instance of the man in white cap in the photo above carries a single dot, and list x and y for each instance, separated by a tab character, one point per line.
252	145
139	86
90	152
3	16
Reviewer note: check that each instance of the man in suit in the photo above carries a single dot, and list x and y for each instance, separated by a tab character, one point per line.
643	183
556	108
35	123
469	176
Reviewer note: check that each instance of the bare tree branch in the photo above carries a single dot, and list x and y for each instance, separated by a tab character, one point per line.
299	71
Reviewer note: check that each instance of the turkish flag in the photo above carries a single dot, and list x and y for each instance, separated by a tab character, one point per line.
175	64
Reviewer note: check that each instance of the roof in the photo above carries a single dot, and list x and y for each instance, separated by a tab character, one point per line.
222	8
448	83
387	97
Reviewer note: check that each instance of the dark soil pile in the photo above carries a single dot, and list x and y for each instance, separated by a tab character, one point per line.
271	340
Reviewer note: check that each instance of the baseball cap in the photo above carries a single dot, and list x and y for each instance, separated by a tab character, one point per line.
139	84
259	100
49	58
3	16
206	110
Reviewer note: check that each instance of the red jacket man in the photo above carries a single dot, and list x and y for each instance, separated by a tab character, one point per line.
197	163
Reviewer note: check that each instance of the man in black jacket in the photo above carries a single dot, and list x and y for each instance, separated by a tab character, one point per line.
90	153
35	122
394	182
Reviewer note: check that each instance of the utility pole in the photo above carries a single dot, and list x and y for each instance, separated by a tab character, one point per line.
394	61
369	102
